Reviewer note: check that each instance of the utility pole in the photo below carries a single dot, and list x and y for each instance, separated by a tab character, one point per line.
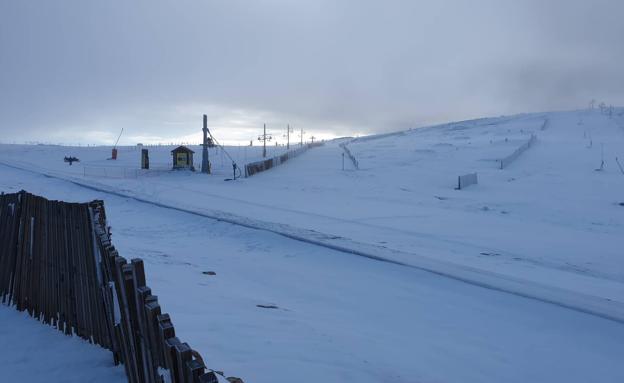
288	131
312	138
264	138
205	162
602	107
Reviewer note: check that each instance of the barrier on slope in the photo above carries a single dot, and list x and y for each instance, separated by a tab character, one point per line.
58	263
504	162
110	172
466	180
355	162
260	166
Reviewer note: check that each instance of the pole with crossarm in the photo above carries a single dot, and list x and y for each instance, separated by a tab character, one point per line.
287	135
264	138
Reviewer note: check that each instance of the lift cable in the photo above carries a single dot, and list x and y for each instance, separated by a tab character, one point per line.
234	164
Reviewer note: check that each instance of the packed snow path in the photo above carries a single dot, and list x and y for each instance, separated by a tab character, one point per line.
338	318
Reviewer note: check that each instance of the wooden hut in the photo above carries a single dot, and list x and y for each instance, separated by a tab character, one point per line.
182	158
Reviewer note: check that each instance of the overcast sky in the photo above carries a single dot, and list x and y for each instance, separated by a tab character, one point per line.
79	71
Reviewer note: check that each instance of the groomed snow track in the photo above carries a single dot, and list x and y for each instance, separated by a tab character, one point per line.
601	307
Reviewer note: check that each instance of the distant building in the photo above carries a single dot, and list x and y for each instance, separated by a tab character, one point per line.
182	158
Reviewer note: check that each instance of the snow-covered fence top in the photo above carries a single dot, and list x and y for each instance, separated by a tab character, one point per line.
504	162
58	263
260	166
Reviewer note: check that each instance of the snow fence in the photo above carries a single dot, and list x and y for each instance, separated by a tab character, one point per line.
466	180
110	172
355	162
261	166
504	162
58	263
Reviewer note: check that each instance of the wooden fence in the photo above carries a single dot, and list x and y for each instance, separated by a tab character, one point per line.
261	166
58	263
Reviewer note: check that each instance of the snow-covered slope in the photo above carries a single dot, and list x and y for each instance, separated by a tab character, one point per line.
35	353
548	226
339	317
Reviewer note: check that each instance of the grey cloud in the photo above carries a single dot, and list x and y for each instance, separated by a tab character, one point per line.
338	67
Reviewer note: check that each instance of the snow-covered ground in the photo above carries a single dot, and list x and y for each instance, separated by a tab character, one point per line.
34	353
547	224
96	163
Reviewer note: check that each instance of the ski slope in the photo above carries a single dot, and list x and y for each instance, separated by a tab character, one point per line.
339	317
548	226
308	237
